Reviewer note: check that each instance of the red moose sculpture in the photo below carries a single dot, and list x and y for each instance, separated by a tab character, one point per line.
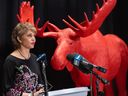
107	51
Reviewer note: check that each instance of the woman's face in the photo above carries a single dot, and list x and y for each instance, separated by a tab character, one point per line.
28	40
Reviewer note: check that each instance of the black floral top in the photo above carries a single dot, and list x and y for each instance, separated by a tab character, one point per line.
21	75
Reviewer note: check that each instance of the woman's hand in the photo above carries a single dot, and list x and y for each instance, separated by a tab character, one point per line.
38	92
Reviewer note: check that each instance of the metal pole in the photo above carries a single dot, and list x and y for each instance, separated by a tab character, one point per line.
91	90
45	79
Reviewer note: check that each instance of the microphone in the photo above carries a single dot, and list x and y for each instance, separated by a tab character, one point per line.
83	64
41	57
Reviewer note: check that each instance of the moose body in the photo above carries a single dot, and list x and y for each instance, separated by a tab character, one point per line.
107	51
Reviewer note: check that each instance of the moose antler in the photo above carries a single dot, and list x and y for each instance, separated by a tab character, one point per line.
26	15
40	31
56	32
97	20
26	12
53	31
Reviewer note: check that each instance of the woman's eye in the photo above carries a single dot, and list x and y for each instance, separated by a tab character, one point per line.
29	35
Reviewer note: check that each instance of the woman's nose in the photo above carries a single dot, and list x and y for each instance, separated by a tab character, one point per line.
33	38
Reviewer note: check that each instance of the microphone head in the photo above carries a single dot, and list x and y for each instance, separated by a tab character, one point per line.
41	57
70	57
77	61
74	58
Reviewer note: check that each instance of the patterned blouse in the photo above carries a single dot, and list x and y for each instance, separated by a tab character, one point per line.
21	75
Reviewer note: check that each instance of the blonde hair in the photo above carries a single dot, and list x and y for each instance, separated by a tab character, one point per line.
20	30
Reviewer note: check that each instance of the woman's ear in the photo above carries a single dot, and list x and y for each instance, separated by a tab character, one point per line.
19	40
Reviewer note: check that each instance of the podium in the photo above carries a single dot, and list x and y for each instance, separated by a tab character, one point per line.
78	91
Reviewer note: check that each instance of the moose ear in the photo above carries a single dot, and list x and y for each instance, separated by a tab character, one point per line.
18	39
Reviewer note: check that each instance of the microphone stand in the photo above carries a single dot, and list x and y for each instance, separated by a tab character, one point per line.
104	81
98	77
97	85
91	91
45	79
